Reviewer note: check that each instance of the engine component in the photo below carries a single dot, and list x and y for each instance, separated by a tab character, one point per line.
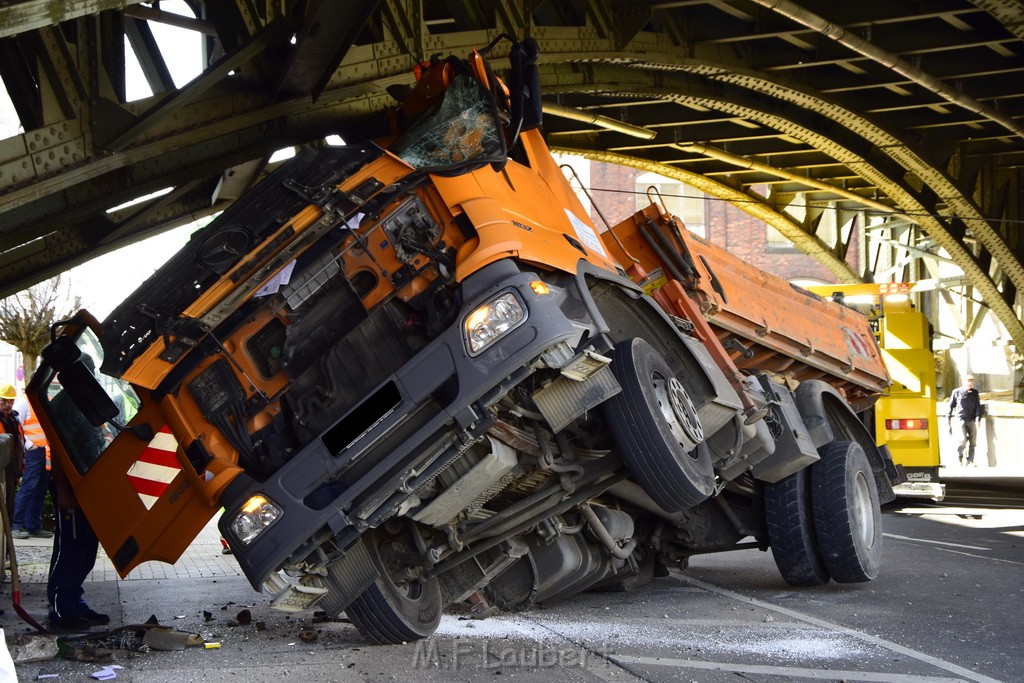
474	487
565	399
609	527
411	229
221	398
462	580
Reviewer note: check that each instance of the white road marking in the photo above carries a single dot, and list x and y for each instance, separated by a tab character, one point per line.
960	552
796	672
925	540
965	674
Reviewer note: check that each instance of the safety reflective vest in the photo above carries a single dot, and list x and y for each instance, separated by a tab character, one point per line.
34	433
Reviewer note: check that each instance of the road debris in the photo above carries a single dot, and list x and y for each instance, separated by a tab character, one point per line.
100	647
28	647
107	673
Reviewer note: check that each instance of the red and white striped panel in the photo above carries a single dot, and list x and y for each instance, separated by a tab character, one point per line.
156	467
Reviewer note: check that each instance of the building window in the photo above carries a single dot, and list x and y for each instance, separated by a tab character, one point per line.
680	199
777	243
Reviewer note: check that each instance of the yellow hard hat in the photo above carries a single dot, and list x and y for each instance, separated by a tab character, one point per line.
9	392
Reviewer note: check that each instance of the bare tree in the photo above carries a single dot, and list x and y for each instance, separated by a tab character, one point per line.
25	317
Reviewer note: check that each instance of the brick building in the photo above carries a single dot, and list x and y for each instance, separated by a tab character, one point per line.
620	191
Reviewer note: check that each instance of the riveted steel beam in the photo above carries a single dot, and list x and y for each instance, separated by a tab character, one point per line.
615	81
19	17
1010	14
318	50
892	61
61	250
274	33
151	60
883	140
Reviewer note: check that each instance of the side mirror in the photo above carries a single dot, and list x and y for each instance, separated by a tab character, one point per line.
86	393
61	353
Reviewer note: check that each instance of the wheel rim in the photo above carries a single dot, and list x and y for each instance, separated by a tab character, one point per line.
409	588
864	520
678	410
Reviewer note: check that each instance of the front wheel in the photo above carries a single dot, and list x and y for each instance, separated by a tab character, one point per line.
847	514
395	608
656	426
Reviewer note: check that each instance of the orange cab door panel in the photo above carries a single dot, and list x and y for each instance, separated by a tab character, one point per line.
141	495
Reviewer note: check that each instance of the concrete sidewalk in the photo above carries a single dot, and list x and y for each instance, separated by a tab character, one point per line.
202	559
203	592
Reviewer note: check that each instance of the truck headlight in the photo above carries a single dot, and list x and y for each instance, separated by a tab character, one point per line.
254	518
493	320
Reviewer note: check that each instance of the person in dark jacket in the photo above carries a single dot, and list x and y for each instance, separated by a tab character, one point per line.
965	405
10	423
75	544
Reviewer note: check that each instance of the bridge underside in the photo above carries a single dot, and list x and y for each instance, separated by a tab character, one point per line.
901	125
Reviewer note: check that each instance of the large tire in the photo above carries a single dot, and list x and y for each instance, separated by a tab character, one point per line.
790	520
656	426
389	613
847	515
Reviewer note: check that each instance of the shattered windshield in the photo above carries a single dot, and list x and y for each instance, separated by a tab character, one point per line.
83	442
460	131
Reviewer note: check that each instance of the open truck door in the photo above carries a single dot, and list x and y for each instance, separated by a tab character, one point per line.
142	496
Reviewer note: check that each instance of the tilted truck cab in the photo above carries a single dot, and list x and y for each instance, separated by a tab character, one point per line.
413	371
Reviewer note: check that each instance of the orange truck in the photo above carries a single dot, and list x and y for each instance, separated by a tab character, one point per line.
413	373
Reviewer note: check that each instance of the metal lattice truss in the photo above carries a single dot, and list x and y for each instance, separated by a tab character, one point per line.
902	118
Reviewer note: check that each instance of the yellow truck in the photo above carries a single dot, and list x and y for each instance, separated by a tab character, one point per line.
904	417
413	373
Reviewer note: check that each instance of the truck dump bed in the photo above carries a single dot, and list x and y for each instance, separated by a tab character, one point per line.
763	321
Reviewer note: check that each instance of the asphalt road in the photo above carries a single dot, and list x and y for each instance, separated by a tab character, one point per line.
947	607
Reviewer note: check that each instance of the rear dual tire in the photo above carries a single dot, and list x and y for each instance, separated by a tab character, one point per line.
847	513
824	521
789	516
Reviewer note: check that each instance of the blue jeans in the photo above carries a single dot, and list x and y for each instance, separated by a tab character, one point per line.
28	503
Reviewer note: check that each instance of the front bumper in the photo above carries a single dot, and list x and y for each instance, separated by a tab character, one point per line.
419	418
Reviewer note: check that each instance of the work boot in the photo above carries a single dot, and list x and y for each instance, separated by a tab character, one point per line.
93	617
68	624
40	533
19	533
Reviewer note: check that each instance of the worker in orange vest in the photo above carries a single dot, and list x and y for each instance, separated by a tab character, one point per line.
28	505
10	424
